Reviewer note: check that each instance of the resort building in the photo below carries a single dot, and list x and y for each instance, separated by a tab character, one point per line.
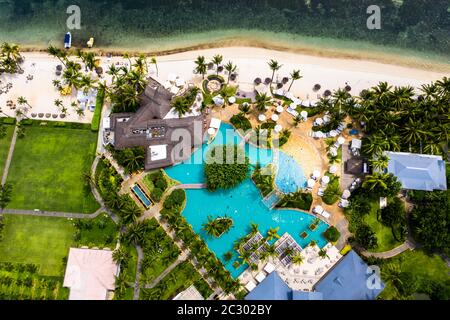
90	274
418	171
190	293
349	279
167	137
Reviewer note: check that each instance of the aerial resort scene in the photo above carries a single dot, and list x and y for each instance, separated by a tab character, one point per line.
225	150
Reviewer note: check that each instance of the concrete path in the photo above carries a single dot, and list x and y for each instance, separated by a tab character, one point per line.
407	245
137	287
10	154
54	213
190	186
181	258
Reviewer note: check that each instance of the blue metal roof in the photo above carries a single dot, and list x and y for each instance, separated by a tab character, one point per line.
418	171
271	288
350	279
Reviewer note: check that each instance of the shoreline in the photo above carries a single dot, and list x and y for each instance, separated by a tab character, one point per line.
373	53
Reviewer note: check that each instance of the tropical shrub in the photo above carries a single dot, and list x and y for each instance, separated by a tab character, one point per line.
264	179
299	200
365	236
95	123
239	121
131	159
332	234
217	227
332	191
175	200
226	166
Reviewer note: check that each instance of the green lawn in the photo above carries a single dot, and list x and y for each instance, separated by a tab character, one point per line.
4	147
385	238
43	241
179	279
47	170
427	268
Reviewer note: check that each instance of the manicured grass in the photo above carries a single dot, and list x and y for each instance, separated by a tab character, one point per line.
427	269
43	241
386	240
5	142
47	170
179	279
100	232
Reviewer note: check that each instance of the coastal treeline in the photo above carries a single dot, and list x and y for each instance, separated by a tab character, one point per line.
422	25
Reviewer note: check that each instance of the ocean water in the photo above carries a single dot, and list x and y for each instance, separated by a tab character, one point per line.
244	202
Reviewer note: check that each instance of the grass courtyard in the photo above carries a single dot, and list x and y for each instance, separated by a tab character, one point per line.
43	241
4	146
47	170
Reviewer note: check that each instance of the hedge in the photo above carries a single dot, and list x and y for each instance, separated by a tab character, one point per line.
54	124
332	234
8	120
95	124
298	200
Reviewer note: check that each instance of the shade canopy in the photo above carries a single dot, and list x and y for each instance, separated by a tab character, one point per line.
280	109
333	169
346	194
232	99
319	121
275	117
278	128
333	133
262	117
326	118
341	140
316	173
320	134
211	131
333	151
325	179
304	114
311	183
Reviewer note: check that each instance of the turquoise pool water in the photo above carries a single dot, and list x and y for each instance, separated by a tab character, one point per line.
141	195
243	204
290	176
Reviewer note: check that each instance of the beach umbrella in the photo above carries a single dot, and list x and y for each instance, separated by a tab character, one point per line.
279	85
311	183
262	117
333	133
326	118
232	100
333	151
267	80
313	103
280	108
327	93
285	80
333	169
325	180
278	128
346	194
275	117
316	173
257	81
211	131
340	140
319	121
304	114
293	106
348	88
172	77
317	87
344	203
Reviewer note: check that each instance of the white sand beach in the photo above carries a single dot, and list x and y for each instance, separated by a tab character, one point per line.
330	73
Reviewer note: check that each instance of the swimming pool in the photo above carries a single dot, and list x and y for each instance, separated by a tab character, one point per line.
243	204
290	176
141	195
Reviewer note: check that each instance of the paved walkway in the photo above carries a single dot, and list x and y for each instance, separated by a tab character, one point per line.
191	186
54	213
10	154
407	245
181	258
137	287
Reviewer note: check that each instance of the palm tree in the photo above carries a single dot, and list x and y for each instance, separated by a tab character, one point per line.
5	195
130	212
200	66
230	67
211	227
274	66
273	233
217	60
126	55
121	283
121	256
375	181
391	274
297	120
113	71
380	162
180	107
22	100
140	64
58	53
254	227
80	112
262	101
58	103
244	108
295	75
86	83
153	61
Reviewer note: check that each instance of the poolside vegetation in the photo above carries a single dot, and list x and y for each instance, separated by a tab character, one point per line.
10	58
171	213
332	234
332	191
226	166
182	104
96	118
296	200
218	226
264	178
240	122
157	183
